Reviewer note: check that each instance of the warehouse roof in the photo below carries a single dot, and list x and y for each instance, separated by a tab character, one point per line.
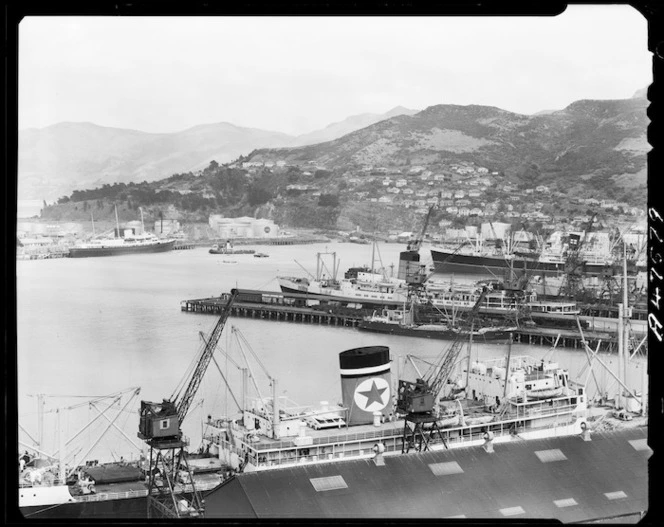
565	478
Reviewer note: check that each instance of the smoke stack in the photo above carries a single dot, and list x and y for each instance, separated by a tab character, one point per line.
365	383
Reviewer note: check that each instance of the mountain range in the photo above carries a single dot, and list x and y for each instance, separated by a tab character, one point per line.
57	159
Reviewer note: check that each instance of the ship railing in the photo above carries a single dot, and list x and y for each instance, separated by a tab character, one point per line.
108	496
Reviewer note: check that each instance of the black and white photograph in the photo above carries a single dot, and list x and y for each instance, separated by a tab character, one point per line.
334	267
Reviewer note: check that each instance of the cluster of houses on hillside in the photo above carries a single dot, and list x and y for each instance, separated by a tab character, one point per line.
461	190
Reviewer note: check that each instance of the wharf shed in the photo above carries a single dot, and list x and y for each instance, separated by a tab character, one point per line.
564	478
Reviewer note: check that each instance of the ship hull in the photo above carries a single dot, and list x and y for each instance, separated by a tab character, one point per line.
131	508
499	335
87	252
453	263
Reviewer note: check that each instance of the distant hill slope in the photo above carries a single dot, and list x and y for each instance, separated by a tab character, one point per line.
53	161
588	138
57	159
348	125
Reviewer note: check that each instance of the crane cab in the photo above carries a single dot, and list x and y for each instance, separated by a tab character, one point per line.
410	268
158	421
414	398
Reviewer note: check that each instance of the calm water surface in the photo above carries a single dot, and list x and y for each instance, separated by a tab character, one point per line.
95	326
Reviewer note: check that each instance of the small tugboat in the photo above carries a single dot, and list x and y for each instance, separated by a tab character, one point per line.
228	249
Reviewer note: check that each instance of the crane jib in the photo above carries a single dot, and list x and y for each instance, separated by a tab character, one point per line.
204	360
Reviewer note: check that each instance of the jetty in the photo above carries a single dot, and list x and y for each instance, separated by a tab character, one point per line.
322	310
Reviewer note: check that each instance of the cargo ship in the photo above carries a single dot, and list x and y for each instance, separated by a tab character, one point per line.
396	322
358	285
595	259
506	400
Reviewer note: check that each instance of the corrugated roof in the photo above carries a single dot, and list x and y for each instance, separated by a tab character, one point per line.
597	479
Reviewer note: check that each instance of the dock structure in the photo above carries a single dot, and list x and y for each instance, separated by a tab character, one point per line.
323	310
183	246
565	338
287	313
595	310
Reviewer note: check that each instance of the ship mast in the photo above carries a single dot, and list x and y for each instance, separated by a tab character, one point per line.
117	222
142	224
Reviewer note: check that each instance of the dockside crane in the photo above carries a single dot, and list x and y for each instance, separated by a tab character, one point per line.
171	489
573	263
410	268
417	400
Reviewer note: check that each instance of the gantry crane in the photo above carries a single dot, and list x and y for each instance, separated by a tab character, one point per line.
171	489
417	400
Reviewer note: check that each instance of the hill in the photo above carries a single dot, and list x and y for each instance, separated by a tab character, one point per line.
587	139
57	159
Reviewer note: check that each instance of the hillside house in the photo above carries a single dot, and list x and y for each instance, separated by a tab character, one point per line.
385	199
427	173
408	191
452	210
446	202
446	194
462	202
424	177
464	211
394	190
432	201
401	183
420	203
542	188
444	224
422	193
407	203
476	211
416	170
474	194
459	194
386	182
422	210
439	177
482	170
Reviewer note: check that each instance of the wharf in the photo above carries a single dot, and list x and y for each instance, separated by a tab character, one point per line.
216	305
183	246
271	305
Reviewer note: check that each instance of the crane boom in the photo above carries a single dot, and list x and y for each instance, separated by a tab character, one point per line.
419	397
416	244
438	375
203	361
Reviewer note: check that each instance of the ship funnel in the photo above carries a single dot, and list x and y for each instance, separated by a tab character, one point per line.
366	383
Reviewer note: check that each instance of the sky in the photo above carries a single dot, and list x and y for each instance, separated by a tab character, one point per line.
299	74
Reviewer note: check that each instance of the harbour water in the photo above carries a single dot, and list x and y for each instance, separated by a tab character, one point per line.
94	326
